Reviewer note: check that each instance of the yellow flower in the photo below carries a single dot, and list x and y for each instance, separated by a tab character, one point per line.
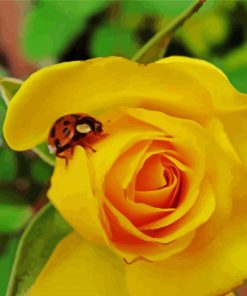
160	208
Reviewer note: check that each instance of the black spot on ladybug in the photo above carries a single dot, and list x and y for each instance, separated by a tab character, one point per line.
66	131
66	122
86	119
53	132
63	148
57	143
78	136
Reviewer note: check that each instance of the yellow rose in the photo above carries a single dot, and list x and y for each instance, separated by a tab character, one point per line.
165	190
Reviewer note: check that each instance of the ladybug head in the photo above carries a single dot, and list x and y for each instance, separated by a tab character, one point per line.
98	127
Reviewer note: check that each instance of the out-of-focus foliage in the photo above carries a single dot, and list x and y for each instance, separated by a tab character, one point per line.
43	152
8	162
48	226
40	171
61	31
6	261
2	116
9	87
221	38
157	8
110	38
51	26
22	180
14	212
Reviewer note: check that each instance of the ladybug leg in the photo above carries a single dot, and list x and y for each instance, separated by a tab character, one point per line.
101	134
71	151
67	154
64	157
90	147
86	145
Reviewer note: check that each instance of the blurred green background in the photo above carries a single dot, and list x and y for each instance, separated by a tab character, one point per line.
34	34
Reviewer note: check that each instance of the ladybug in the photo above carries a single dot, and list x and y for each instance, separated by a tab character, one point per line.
71	130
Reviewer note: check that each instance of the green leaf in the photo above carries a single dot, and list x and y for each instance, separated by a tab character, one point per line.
52	25
3	109
9	87
112	39
81	8
234	65
238	78
14	212
35	247
6	262
13	217
158	8
44	154
155	48
8	162
40	171
198	36
237	58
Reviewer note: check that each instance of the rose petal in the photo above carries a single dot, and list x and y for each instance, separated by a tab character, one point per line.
116	187
199	214
223	264
235	125
222	94
151	175
124	134
124	225
190	141
216	128
79	268
174	87
157	198
72	194
229	105
137	213
123	170
131	244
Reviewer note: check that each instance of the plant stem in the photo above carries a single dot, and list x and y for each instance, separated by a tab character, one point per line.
43	156
164	35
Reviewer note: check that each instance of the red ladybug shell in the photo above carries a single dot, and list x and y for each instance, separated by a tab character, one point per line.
65	133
